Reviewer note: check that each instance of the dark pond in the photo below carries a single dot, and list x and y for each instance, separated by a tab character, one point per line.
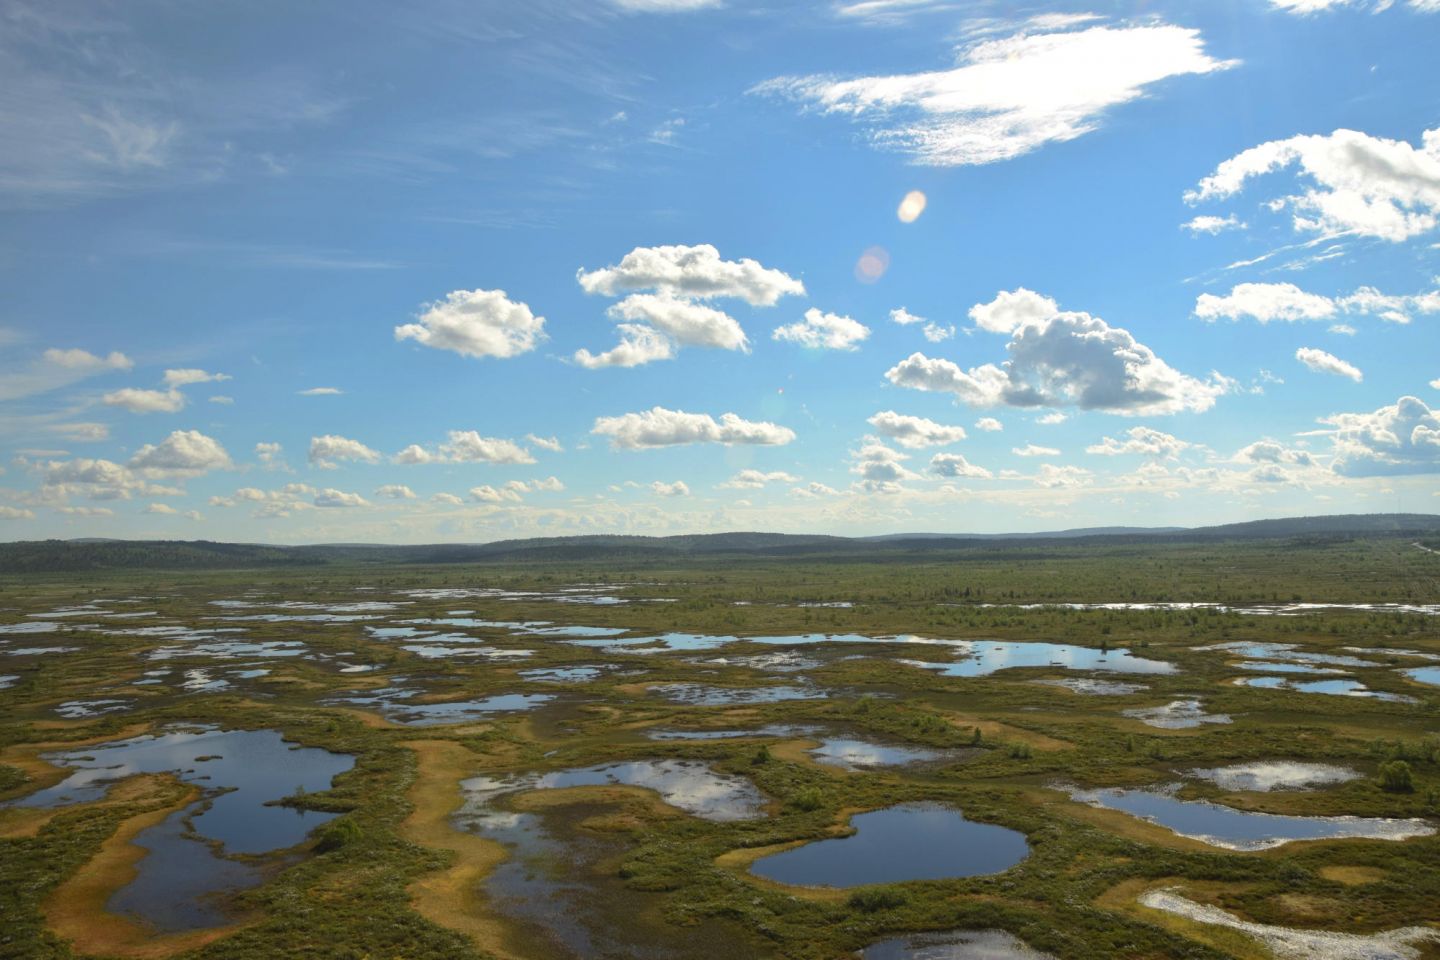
913	841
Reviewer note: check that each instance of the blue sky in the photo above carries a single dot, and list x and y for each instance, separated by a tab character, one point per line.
468	271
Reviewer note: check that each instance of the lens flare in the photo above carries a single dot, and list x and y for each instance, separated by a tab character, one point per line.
911	207
872	265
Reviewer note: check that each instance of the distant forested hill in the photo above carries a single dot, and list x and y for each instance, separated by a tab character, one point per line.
60	556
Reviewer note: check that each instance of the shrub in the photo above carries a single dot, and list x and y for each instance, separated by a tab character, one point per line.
1395	777
877	898
807	798
337	834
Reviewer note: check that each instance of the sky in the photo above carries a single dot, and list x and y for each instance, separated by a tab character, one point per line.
466	271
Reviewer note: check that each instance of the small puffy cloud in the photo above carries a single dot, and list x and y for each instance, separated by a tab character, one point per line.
395	491
953	466
881	469
828	331
99	480
330	497
326	450
414	454
71	511
1012	309
1435	384
82	432
638	345
659	427
904	317
696	272
161	508
547	485
989	425
1057	478
57	368
146	401
1140	440
185	377
755	479
489	494
476	323
1211	224
183	453
1032	450
1062	359
914	432
15	513
84	360
467	446
1010	95
1265	302
814	490
676	489
1321	362
655	326
1053	418
1400	439
1353	183
688	323
552	444
447	499
1269	451
936	333
222	399
269	455
320	392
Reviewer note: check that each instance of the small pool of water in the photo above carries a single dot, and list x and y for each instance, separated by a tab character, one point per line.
689	785
913	841
787	661
81	709
1176	715
563	674
1333	688
394	703
701	695
769	731
1287	651
1094	688
231	650
857	755
1430	675
1267	775
981	658
953	945
1222	826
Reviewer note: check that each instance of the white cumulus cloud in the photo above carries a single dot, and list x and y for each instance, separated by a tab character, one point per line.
914	432
659	427
1352	182
828	331
1140	440
326	450
1321	362
953	465
696	272
476	323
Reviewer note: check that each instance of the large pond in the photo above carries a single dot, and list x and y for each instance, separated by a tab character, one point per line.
913	841
1332	688
240	771
1232	829
984	657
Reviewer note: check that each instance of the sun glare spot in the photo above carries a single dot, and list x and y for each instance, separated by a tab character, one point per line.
872	264
911	207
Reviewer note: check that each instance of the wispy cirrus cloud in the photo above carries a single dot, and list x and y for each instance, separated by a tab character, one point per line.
1010	95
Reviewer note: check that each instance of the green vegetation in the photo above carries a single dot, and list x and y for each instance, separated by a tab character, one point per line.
372	883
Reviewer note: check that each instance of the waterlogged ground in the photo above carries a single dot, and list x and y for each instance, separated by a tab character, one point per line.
798	761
